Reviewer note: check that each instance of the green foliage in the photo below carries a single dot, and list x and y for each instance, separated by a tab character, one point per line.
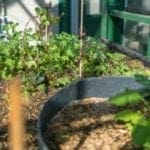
129	116
98	60
128	97
26	53
42	59
141	135
137	121
63	57
46	20
143	80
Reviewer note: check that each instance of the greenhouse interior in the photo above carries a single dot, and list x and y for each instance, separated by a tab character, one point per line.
74	74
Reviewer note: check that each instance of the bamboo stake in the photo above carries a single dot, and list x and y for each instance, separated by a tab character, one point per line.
81	37
16	121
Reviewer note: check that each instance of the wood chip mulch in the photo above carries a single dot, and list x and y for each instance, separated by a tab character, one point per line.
83	125
87	125
32	109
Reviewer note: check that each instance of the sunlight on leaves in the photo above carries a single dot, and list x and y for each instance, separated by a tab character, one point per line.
128	97
129	116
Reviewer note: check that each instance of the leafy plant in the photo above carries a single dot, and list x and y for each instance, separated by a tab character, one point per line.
42	59
63	56
98	60
137	121
46	21
24	53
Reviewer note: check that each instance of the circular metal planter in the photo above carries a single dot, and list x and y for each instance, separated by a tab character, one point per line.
90	87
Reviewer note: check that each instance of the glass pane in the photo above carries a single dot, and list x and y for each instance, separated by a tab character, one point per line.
136	36
92	6
138	5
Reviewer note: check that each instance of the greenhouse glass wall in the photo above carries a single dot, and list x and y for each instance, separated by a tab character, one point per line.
123	21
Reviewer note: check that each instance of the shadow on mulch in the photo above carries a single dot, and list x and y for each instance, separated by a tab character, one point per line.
65	125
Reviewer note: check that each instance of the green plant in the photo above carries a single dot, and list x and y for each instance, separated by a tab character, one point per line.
42	59
39	64
98	60
63	57
136	114
54	61
24	53
46	21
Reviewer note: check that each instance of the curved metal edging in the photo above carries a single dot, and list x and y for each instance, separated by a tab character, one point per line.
90	87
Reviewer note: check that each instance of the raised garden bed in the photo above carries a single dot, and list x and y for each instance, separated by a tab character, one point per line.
103	87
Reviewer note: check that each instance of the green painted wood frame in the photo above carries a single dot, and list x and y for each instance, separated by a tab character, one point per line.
112	20
134	17
111	27
92	22
113	16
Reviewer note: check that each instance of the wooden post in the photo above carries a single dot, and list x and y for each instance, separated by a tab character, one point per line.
16	122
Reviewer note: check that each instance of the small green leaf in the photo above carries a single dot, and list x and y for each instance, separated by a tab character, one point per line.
129	116
147	143
141	135
65	58
130	126
43	18
5	75
10	62
69	52
31	63
37	10
127	97
63	80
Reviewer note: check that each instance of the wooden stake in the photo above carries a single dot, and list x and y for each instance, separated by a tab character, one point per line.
81	37
16	121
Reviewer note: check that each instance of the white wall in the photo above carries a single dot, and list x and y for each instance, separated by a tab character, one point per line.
92	6
21	11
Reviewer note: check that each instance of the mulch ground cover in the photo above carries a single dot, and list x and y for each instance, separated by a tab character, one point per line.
84	125
88	125
32	109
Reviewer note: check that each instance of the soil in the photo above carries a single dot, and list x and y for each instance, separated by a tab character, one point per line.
87	125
